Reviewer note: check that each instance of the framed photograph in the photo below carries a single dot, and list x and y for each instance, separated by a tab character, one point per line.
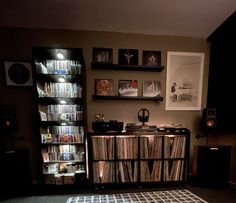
151	88
18	73
104	87
184	79
128	88
103	55
152	58
128	56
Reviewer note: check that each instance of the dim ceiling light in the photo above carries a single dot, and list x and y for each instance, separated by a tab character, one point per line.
61	79
60	55
62	102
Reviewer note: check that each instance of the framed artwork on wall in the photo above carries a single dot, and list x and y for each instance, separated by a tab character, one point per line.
102	55
151	58
104	87
128	56
184	79
18	73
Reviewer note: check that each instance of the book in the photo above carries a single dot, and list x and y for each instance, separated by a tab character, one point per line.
151	88
128	88
104	87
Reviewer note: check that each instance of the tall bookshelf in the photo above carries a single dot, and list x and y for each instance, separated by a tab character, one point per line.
60	87
139	158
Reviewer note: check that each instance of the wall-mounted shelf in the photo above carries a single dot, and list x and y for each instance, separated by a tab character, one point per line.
106	66
95	97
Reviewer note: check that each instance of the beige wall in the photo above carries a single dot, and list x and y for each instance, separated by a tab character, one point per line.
17	44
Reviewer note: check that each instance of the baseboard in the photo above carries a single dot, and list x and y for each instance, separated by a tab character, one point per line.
232	185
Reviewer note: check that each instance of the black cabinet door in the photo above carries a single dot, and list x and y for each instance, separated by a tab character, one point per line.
14	171
213	165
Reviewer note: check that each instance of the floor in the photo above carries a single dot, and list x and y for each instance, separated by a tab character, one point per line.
211	195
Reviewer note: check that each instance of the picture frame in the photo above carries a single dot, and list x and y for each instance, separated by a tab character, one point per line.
184	78
104	87
103	55
18	73
128	56
128	88
151	58
151	88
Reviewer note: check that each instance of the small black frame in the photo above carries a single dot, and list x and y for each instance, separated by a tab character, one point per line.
102	55
128	56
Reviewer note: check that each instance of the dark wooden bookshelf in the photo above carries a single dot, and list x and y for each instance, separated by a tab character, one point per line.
60	89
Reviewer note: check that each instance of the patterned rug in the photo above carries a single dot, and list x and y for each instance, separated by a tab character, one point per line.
174	196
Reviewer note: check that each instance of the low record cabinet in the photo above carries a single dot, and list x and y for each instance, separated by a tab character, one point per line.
61	104
139	158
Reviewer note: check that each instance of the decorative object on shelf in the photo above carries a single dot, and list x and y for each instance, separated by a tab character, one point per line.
102	55
128	56
104	87
184	80
18	73
99	117
128	88
151	58
151	88
143	115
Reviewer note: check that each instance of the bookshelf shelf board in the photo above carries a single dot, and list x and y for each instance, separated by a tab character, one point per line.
96	97
57	100
106	66
54	77
63	143
63	123
70	161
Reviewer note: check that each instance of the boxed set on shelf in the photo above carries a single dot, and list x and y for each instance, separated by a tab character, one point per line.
111	126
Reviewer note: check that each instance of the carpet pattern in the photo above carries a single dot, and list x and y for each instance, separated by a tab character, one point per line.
169	196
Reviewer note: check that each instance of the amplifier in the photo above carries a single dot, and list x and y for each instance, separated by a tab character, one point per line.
111	126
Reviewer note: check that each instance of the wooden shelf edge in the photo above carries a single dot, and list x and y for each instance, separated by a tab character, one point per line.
96	97
106	66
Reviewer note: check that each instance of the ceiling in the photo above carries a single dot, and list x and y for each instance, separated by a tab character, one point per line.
159	17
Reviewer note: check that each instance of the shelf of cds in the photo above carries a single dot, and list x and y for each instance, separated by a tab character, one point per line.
139	158
60	88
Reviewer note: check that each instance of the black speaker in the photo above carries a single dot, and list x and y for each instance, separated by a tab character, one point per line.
209	119
7	118
143	115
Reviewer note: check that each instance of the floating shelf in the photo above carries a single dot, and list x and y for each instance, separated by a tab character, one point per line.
106	66
96	97
54	77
